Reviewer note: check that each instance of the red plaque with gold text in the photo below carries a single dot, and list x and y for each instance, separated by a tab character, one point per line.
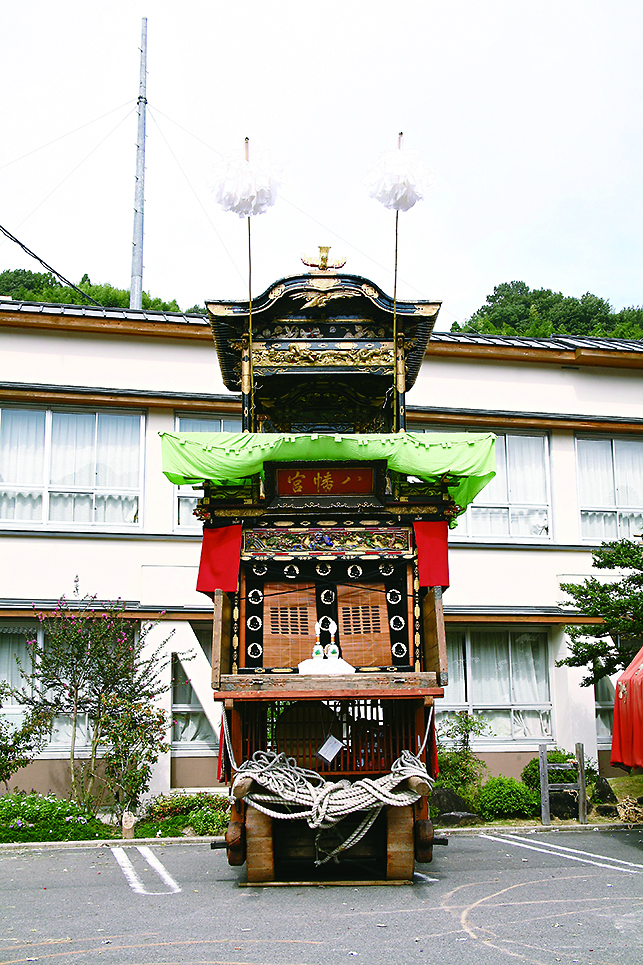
346	480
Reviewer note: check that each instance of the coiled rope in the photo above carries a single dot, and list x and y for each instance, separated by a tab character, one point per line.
288	792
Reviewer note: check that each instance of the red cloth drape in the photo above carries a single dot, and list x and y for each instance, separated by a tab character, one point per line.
627	736
431	540
220	554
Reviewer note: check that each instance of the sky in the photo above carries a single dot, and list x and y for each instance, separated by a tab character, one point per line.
528	114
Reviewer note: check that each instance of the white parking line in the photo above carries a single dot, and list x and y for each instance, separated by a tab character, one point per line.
133	879
557	854
589	854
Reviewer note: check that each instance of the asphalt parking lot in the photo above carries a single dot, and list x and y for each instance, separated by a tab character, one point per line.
490	897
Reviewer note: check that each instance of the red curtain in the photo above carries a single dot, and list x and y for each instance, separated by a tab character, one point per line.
431	540
220	554
627	736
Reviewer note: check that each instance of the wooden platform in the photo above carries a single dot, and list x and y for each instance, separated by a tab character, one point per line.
276	686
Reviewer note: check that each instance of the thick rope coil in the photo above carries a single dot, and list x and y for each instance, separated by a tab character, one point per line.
289	792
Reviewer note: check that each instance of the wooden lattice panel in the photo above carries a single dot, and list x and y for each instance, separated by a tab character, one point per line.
363	625
289	623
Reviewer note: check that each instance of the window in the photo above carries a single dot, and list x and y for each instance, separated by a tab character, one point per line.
604	694
610	486
515	504
189	722
187	495
60	468
502	675
13	644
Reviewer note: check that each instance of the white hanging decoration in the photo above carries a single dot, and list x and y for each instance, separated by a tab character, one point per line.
246	186
399	179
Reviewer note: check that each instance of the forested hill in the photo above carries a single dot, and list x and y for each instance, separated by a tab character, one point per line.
516	309
32	286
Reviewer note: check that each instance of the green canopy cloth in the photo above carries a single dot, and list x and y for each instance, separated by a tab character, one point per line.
226	457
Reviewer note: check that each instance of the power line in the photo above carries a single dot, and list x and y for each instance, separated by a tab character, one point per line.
158	127
32	254
62	136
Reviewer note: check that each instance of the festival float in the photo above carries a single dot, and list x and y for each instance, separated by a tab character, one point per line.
325	553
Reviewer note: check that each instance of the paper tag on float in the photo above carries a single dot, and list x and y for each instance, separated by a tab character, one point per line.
329	749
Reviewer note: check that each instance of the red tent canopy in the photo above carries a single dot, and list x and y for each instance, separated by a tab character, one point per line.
627	739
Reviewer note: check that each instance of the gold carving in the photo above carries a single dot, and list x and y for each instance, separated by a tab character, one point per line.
370	291
277	291
321	262
298	354
216	309
427	309
318	301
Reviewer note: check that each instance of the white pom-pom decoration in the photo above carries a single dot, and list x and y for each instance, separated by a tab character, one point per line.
246	187
399	180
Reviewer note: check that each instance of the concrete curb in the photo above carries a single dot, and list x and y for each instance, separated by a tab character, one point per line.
531	829
217	840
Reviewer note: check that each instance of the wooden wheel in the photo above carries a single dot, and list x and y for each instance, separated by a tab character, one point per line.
400	845
260	855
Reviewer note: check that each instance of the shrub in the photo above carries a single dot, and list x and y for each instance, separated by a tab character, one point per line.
43	817
206	821
169	814
167	805
459	768
505	797
531	772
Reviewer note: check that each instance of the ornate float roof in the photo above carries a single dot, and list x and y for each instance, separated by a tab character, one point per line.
304	308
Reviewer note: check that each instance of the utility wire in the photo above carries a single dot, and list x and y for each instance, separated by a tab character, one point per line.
73	170
293	205
62	136
192	189
32	254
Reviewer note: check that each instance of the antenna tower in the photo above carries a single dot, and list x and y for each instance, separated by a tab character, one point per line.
136	285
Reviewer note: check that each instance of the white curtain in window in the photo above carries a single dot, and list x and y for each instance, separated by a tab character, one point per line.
13	643
490	667
630	525
22	446
20	506
628	469
489	522
498	723
595	475
532	723
456	692
597	525
189	424
496	490
118	451
71	507
530	670
193	726
526	469
72	449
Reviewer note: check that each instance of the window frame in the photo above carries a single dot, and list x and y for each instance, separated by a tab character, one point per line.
445	707
465	519
615	508
195	526
46	488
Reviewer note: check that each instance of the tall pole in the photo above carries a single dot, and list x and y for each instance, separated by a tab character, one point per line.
136	286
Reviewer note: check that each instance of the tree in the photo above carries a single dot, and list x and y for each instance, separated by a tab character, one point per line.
89	653
610	644
516	309
135	734
19	745
32	286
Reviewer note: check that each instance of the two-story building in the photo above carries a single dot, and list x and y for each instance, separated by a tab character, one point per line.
84	393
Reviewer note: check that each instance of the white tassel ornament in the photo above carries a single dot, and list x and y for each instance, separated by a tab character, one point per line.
399	180
246	187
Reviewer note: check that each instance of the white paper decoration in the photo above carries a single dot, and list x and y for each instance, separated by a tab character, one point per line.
399	180
246	187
